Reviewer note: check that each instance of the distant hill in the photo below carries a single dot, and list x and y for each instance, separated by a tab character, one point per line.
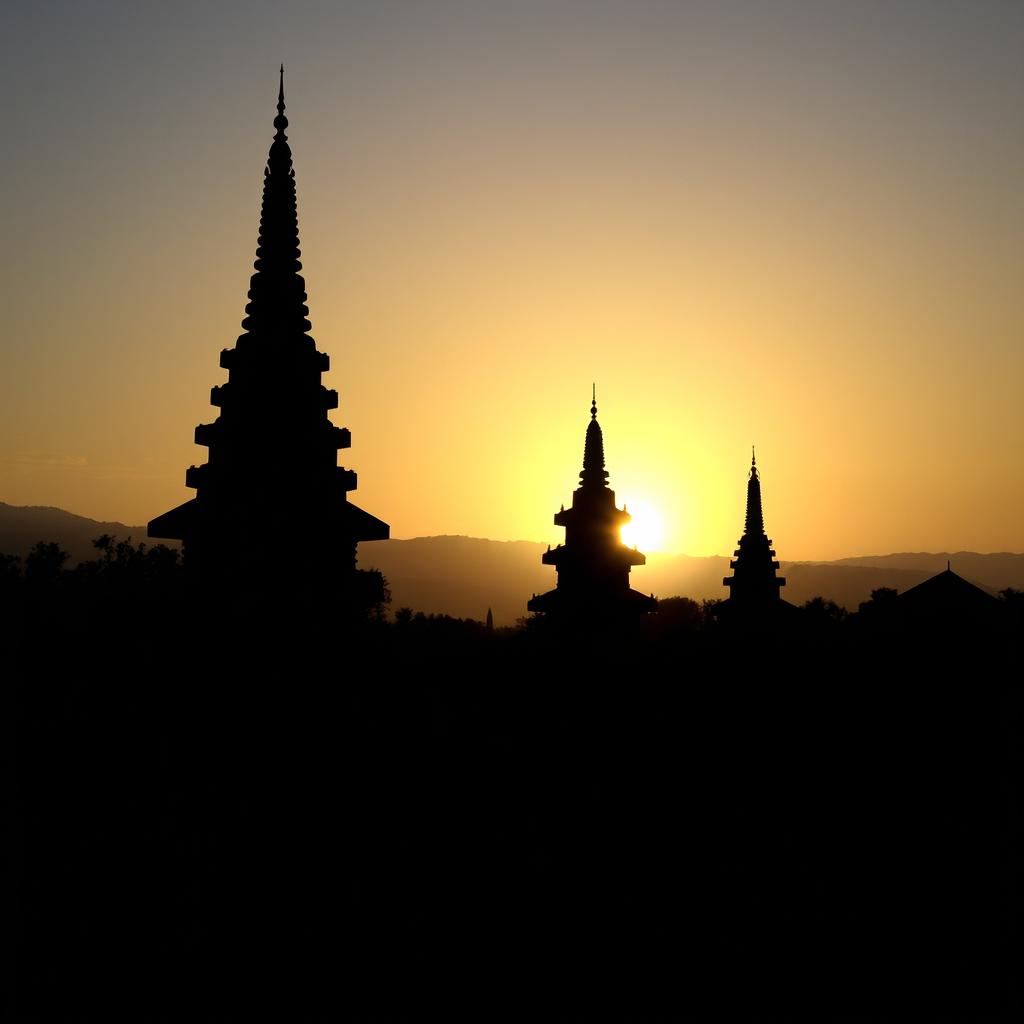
848	581
464	576
461	576
996	571
21	527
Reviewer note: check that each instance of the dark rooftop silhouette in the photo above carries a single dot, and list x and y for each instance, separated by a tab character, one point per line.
946	599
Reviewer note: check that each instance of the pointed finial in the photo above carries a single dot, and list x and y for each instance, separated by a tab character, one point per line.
754	522
593	474
280	122
947	566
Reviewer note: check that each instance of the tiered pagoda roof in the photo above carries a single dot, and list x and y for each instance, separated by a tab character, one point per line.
271	492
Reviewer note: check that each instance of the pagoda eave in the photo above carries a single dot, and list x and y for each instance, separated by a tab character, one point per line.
553	556
360	525
596	604
176	524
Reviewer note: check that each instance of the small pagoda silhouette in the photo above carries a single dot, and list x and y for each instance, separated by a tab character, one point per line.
754	585
593	564
271	501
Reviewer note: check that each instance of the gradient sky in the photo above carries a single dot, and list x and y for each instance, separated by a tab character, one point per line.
795	224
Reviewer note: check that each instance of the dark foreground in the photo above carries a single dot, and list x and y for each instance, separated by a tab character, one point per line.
267	814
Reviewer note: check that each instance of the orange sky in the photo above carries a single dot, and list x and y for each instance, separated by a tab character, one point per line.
767	223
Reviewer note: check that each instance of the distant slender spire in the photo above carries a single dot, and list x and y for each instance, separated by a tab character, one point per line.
593	475
277	294
755	576
755	519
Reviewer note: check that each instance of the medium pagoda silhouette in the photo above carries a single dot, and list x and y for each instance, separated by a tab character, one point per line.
271	503
754	585
593	564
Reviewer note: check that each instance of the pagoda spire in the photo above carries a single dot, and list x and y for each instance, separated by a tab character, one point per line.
277	292
754	522
593	475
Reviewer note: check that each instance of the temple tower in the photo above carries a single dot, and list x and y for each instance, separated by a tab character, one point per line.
754	581
271	501
593	564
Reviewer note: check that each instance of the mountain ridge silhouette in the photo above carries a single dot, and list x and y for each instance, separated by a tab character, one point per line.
461	576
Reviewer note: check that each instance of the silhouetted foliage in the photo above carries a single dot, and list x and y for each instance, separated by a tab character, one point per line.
820	612
378	596
129	568
880	609
44	564
1013	605
10	573
680	613
883	595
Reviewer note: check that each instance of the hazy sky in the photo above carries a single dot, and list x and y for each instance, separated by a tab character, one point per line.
795	224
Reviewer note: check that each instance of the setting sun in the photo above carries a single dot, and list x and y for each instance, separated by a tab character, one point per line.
644	529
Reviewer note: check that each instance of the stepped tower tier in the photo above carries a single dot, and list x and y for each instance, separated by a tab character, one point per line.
271	493
593	564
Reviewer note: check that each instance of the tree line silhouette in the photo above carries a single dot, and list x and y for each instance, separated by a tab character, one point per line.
136	578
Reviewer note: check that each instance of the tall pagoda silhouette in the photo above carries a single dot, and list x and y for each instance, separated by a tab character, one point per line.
754	583
271	500
593	564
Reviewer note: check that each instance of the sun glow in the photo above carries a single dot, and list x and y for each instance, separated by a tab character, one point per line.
644	530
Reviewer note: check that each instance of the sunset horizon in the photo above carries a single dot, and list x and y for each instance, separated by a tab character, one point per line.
775	256
656	552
